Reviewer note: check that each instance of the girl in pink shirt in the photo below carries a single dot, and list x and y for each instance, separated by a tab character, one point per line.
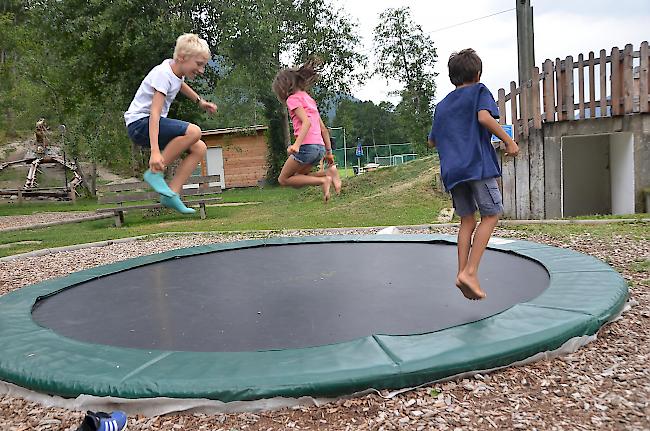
312	136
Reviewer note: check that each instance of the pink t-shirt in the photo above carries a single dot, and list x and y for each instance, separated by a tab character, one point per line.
301	98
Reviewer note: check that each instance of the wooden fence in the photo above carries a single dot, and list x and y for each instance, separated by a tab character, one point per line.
607	85
619	90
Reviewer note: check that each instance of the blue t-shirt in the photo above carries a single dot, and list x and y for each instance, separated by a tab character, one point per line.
463	145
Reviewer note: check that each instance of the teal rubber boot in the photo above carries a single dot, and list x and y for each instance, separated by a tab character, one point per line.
157	182
176	203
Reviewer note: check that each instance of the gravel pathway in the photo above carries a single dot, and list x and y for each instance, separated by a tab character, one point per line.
9	223
604	385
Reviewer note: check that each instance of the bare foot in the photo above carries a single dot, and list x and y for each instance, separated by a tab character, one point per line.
470	286
327	183
336	179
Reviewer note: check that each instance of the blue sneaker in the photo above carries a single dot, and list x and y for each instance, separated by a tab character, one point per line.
176	203
157	181
100	421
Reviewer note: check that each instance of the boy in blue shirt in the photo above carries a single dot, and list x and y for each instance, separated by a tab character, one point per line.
462	125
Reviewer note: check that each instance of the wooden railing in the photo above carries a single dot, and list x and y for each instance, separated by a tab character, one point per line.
620	89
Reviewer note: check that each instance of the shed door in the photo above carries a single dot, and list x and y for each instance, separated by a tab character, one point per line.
214	159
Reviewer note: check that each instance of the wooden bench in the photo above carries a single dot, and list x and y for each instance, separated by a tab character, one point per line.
137	192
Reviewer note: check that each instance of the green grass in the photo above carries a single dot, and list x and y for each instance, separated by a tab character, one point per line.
642	266
392	196
400	195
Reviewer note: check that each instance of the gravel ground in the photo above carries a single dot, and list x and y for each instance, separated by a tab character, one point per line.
604	385
43	219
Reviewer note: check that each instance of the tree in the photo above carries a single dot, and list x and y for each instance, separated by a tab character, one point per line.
405	53
259	37
100	51
12	34
372	123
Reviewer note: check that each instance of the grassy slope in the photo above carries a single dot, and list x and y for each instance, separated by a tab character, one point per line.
400	195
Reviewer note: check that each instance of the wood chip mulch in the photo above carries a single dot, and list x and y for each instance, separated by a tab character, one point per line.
604	385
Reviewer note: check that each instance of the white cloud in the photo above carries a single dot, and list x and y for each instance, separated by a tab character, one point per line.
561	29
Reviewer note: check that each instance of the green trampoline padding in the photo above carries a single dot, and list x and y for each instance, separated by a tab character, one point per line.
583	294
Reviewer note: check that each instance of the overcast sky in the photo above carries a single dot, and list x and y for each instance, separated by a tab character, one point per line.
562	28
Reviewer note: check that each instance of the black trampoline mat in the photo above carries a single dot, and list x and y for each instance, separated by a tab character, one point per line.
286	296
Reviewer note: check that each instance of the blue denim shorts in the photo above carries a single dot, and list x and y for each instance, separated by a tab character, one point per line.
169	129
309	154
481	194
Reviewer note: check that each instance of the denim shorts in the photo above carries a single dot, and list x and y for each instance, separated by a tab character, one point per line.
168	129
309	154
481	194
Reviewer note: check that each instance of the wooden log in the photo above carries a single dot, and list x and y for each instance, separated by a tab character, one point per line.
513	110
616	81
140	185
131	197
501	103
119	218
522	179
627	78
581	87
603	83
559	85
537	114
508	174
536	157
644	77
523	108
592	86
568	91
549	91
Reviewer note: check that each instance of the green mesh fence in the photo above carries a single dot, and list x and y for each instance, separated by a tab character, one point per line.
384	155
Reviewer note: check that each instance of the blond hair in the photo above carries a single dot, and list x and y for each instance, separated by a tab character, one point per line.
289	81
190	44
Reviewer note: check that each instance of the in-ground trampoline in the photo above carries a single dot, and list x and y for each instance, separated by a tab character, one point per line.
318	316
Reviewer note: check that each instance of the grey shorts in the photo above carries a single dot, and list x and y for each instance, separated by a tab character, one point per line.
309	154
483	195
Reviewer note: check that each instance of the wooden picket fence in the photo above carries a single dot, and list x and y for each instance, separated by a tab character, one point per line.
607	86
613	73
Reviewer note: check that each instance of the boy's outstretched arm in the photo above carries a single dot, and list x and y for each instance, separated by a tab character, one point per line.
194	96
487	120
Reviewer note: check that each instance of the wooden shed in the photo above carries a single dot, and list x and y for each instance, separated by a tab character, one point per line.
239	155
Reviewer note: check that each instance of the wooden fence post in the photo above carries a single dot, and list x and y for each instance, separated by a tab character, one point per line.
508	173
581	87
568	74
549	91
627	77
644	77
616	81
602	61
559	86
592	86
537	109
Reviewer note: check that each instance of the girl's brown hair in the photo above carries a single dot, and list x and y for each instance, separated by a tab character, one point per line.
289	81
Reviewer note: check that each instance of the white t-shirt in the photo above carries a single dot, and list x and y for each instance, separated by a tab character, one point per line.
161	78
